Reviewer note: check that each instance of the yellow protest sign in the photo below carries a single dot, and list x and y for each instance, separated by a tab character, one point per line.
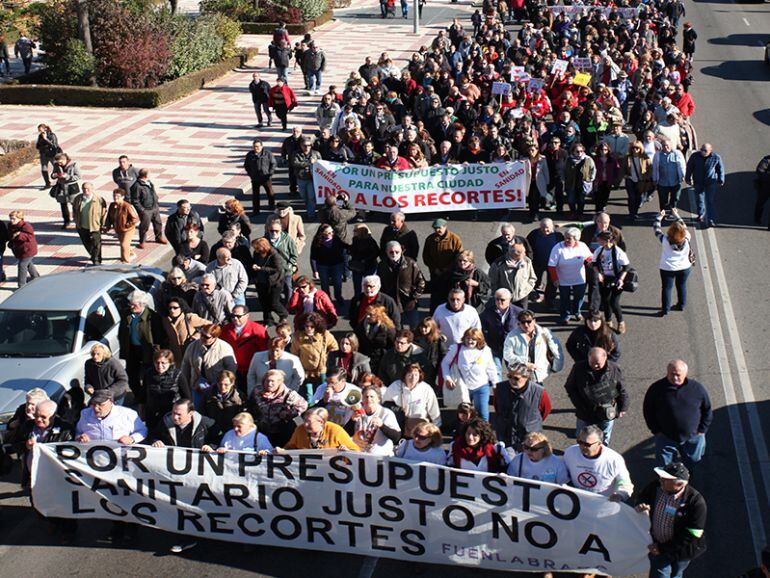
581	79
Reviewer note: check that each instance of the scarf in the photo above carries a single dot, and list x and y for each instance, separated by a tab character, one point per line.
308	302
365	302
344	360
457	279
462	451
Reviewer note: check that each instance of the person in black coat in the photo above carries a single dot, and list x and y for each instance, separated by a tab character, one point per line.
259	90
260	165
372	295
500	246
233	213
498	319
177	224
266	271
398	231
164	384
145	200
4	238
596	390
183	427
102	371
674	552
595	332
45	427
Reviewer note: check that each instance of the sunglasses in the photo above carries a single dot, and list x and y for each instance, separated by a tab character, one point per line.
421	437
526	321
586	444
532	448
205	336
173	307
241	315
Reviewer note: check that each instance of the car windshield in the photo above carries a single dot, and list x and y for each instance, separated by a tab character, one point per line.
37	333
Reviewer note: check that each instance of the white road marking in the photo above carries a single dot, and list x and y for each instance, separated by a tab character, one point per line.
743	460
746	22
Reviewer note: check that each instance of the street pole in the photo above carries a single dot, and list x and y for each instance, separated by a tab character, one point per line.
416	21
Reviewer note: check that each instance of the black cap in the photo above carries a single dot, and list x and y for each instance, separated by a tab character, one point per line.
101	395
282	205
674	471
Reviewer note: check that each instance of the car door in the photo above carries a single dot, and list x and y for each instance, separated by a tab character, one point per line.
99	326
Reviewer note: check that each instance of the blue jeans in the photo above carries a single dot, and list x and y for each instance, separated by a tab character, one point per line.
307	192
317	76
281	71
499	366
332	273
690	452
668	279
668	197
404	8
480	399
571	299
661	566
605	426
240	300
706	201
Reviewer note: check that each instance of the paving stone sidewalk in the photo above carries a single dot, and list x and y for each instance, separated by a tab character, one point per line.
193	147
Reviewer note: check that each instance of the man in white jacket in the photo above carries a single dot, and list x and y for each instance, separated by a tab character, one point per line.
549	356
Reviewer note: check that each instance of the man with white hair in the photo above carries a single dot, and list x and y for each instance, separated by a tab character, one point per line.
211	303
497	320
501	246
45	427
398	231
139	335
371	295
230	275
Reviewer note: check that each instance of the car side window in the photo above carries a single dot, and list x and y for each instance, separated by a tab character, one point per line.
99	321
144	282
119	294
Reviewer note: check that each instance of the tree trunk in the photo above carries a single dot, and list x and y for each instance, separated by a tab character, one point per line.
84	30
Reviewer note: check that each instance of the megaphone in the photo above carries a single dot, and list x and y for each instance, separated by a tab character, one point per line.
353	398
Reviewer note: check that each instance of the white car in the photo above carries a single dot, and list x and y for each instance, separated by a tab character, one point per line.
48	327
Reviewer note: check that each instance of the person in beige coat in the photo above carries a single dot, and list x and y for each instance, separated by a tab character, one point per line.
204	360
515	273
181	326
89	211
291	224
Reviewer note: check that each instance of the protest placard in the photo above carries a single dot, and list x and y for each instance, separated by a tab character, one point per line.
440	188
348	502
501	88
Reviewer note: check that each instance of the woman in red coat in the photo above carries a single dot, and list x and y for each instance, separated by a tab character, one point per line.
24	246
282	99
307	298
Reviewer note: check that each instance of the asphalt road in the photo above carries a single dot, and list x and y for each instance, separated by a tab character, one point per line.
723	336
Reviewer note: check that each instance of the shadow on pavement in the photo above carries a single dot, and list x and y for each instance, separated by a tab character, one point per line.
741	40
741	70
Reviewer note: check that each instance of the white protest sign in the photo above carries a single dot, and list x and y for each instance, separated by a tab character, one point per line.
440	188
559	66
348	502
501	88
534	85
518	74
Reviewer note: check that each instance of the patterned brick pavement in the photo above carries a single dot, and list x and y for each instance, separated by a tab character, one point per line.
193	147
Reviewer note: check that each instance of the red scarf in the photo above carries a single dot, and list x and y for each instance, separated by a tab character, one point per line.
462	451
365	302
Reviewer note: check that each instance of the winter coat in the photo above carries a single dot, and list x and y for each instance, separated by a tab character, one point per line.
405	284
97	213
260	165
161	391
270	269
125	179
322	304
314	61
516	350
123	217
520	281
579	343
588	390
392	363
200	362
374	340
180	331
204	432
109	375
222	409
175	227
22	240
439	253
253	338
313	351
358	365
289	98
151	335
143	196
338	218
495	328
408	239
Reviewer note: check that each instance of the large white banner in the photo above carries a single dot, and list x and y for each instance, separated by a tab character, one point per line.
345	502
433	189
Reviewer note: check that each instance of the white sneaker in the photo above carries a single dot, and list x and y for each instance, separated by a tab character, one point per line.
179	548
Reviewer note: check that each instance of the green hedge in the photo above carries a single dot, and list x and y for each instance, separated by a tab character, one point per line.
293	29
17	159
60	95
